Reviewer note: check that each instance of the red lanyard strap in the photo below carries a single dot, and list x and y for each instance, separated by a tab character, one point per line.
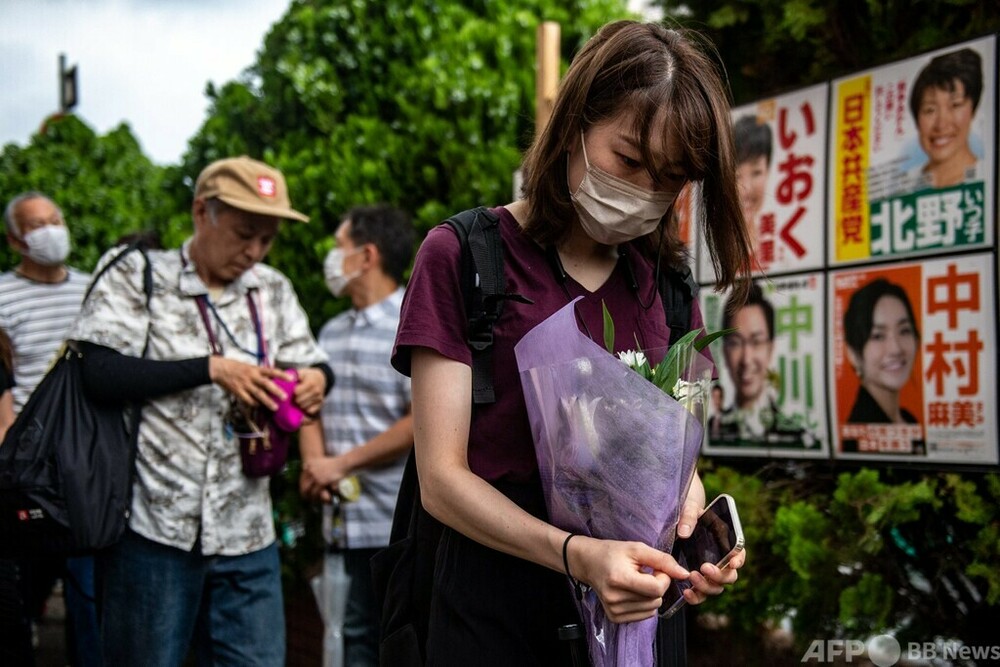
258	326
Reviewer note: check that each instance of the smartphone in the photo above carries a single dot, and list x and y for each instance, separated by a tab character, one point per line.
716	539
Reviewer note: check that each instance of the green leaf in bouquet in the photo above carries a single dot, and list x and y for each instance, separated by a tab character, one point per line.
669	370
710	338
609	329
661	375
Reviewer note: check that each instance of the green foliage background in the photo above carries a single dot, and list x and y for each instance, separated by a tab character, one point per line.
105	185
428	105
850	552
422	104
769	46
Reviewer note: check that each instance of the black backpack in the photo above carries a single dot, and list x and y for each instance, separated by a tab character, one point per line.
403	572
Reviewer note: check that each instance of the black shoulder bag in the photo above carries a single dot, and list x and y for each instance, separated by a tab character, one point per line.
66	462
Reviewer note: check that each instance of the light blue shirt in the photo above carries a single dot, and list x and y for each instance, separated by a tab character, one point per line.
368	397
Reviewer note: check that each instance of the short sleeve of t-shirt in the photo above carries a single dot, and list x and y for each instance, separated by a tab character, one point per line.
433	310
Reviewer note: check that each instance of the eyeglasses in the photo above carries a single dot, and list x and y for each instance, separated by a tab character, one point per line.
735	343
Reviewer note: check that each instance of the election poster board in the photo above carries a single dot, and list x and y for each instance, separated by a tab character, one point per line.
684	213
769	398
912	156
781	174
913	369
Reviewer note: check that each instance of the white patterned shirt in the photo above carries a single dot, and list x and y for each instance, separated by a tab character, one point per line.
37	316
368	397
189	483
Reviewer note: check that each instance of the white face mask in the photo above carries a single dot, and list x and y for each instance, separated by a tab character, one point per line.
333	270
614	211
48	245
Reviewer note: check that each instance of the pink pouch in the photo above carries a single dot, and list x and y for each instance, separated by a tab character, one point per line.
288	416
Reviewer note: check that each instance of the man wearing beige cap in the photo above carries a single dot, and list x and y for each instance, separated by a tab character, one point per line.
199	561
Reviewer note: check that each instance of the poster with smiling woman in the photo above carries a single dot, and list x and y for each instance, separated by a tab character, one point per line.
912	156
912	364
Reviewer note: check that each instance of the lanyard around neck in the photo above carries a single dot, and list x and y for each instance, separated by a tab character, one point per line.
204	306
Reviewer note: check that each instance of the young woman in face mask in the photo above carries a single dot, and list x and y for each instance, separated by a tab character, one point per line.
641	113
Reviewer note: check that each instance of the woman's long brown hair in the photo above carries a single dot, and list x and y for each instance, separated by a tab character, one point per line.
653	73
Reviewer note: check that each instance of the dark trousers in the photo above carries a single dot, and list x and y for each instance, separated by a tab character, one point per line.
361	618
489	608
15	622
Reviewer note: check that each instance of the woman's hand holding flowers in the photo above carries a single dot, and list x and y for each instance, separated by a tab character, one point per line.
630	578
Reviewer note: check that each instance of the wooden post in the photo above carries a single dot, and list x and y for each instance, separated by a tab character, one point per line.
547	74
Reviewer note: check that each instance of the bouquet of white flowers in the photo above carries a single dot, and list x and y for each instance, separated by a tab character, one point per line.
616	454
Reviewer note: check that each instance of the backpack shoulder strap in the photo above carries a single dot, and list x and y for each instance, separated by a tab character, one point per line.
482	279
147	286
147	274
484	290
678	291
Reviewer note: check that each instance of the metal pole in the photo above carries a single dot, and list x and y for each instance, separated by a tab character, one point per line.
62	83
67	86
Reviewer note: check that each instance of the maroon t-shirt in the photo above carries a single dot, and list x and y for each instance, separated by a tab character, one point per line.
433	316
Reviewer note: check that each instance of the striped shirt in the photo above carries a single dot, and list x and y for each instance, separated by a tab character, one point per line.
37	317
368	397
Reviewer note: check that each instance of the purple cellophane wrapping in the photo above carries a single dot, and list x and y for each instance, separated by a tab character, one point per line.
615	456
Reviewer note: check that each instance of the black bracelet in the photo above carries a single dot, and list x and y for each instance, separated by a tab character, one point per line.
578	587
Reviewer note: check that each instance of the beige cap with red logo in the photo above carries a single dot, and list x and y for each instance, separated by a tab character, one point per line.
248	185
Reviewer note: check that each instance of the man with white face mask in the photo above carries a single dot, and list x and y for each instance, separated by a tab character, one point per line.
366	428
40	297
39	300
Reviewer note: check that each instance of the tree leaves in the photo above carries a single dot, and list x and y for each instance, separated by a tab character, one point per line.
769	46
105	186
422	104
852	554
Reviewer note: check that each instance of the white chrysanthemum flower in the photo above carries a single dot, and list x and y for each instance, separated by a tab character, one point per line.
697	389
682	390
633	358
